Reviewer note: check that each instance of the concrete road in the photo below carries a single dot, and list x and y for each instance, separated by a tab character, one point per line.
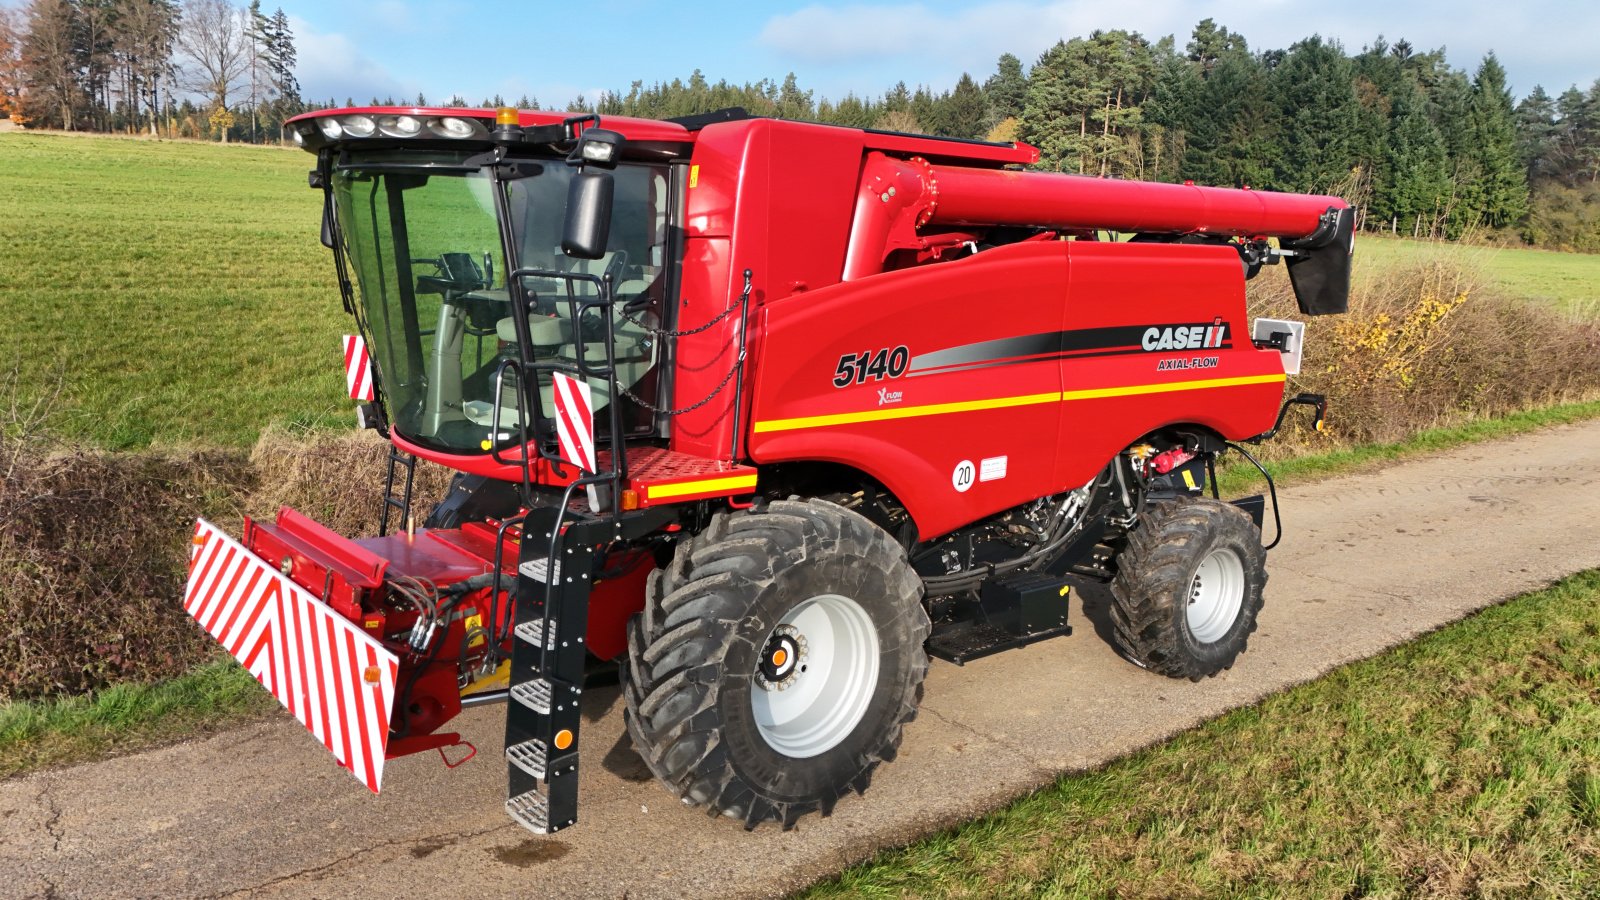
1369	561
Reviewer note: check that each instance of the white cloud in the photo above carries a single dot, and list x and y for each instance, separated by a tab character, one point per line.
331	66
391	15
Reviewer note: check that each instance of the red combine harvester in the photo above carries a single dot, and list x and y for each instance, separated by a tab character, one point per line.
763	413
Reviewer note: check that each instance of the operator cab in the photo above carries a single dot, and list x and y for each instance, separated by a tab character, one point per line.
426	230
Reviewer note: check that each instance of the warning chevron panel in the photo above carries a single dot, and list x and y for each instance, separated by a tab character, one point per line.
336	679
357	368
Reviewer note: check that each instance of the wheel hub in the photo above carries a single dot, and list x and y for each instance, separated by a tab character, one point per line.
1216	595
782	660
817	675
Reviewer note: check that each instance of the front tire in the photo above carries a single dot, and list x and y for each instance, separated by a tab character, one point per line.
777	661
1188	588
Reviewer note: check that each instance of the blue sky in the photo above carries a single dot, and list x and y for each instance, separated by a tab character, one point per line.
553	51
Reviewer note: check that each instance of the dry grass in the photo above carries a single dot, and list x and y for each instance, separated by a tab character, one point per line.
93	544
92	550
335	478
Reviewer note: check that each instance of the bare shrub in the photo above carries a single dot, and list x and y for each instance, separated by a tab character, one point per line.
1428	346
93	548
94	545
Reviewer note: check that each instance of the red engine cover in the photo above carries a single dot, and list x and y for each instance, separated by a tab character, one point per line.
972	386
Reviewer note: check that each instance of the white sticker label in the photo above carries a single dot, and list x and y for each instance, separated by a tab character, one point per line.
963	476
993	468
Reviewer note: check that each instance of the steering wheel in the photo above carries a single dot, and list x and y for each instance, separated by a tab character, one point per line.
613	273
454	272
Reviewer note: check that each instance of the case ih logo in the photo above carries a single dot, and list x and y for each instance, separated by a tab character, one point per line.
1185	337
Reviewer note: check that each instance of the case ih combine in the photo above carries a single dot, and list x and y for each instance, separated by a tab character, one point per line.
765	413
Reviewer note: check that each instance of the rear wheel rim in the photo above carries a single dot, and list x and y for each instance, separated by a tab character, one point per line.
1216	594
824	691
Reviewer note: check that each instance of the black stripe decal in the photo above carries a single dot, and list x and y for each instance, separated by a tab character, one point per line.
1082	343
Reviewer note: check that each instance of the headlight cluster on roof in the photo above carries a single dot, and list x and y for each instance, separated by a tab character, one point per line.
360	125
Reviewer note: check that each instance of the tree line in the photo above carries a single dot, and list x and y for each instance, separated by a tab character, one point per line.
205	68
1422	148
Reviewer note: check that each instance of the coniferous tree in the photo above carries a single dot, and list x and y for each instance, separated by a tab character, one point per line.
1315	89
1049	119
925	108
965	110
1210	43
1234	142
1419	184
1504	181
145	31
1536	133
1006	90
793	103
281	58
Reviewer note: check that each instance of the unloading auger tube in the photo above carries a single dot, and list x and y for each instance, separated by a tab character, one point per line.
900	198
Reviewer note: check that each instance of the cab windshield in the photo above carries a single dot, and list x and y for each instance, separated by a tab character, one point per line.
423	241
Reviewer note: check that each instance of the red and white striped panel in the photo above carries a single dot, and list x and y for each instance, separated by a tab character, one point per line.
357	368
336	679
575	421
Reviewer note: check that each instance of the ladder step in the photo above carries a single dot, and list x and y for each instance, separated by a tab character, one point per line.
535	695
531	810
533	632
539	570
529	756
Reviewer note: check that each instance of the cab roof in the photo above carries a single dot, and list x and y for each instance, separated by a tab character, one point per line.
684	131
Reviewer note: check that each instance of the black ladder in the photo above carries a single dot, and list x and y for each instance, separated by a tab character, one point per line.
402	504
554	574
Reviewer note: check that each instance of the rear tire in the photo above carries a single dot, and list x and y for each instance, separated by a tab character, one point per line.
1188	588
776	662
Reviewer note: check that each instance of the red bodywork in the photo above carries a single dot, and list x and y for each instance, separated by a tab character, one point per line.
1028	365
352	577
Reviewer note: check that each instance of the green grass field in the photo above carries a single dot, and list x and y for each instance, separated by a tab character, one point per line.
176	290
1466	763
1567	281
178	293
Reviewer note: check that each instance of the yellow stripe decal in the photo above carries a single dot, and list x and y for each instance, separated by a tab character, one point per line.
703	486
904	412
1097	393
939	409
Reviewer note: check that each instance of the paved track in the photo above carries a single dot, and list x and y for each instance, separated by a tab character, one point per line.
1369	561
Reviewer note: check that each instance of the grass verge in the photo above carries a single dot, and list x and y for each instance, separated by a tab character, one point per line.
1464	763
39	733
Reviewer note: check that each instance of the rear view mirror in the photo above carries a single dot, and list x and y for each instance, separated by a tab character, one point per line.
588	225
327	221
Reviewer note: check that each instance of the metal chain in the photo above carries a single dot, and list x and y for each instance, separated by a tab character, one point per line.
744	297
687	409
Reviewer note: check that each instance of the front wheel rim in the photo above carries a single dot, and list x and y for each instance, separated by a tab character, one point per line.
1216	594
806	706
